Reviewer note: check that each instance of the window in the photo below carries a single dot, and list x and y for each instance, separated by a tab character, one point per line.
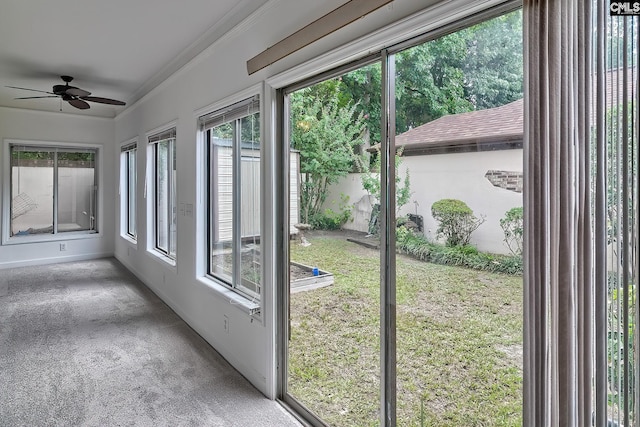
53	190
233	183
163	147
128	168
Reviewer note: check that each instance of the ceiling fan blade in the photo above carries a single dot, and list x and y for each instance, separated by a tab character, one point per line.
74	91
32	90
103	100
79	103
36	97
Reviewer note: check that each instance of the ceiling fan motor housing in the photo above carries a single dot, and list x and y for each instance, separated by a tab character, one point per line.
60	89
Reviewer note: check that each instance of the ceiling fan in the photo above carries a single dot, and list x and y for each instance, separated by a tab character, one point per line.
73	95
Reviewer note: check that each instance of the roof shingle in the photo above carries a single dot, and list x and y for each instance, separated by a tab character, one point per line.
502	123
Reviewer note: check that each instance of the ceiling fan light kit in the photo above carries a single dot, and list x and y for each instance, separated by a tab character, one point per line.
73	95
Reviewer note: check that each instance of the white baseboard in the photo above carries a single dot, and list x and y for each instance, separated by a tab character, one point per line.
54	260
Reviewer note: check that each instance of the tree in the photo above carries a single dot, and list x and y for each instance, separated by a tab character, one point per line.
326	130
493	64
430	82
475	68
371	182
513	227
362	87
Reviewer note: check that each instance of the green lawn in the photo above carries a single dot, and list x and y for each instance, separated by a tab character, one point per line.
459	340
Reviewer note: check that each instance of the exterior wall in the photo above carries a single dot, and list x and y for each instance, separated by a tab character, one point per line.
460	176
351	186
75	206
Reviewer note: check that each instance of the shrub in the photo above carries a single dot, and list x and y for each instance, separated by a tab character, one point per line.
512	225
331	220
456	221
463	256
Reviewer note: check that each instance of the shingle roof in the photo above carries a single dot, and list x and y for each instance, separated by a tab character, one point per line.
493	126
497	124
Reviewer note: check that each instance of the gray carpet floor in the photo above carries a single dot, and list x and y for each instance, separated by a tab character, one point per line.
87	344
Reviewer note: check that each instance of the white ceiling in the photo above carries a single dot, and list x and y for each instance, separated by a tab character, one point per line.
117	49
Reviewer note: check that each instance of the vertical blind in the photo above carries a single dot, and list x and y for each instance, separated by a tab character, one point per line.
616	159
557	252
581	163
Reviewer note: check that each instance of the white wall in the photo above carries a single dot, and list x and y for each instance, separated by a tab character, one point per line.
461	176
444	176
351	186
17	124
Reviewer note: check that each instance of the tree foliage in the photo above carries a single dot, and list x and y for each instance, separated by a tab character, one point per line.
476	68
371	181
493	64
326	131
513	227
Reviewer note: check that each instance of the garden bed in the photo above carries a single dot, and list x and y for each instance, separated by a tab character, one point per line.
302	278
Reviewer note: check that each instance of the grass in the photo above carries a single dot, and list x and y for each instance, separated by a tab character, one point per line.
459	341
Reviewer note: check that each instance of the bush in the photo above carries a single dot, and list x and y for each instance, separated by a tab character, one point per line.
462	256
512	225
331	220
456	221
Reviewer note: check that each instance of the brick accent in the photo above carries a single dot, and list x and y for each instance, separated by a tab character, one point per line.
509	180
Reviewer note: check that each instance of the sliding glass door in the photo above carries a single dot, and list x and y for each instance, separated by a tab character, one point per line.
403	300
458	116
333	321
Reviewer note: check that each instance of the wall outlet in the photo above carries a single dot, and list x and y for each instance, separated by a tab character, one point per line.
226	323
63	247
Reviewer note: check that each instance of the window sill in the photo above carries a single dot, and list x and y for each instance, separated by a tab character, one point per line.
130	240
162	257
244	304
44	238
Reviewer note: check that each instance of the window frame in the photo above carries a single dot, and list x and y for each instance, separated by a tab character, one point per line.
232	114
95	230
167	135
128	210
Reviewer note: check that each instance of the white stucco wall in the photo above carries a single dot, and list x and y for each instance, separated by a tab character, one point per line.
75	193
351	186
461	176
445	176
